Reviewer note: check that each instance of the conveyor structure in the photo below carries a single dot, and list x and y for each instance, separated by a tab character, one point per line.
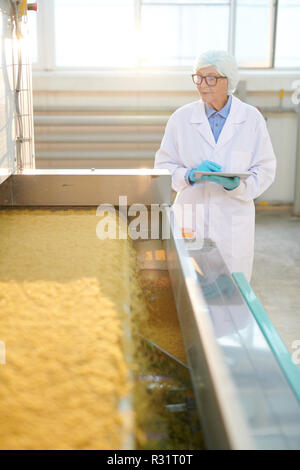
246	386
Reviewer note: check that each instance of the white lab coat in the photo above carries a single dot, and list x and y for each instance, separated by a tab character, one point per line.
227	217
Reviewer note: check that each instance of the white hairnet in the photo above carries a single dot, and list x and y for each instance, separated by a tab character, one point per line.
225	64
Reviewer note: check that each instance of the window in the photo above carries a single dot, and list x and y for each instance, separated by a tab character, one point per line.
174	32
93	34
288	34
254	33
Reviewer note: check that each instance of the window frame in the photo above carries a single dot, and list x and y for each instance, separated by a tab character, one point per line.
46	42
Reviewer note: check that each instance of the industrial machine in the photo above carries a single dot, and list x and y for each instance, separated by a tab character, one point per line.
246	386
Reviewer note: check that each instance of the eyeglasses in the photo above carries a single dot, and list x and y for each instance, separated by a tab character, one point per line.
210	80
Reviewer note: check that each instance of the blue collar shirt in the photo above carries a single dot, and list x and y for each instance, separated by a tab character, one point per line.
216	118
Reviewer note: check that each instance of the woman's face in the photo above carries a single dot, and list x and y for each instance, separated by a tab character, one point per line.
212	93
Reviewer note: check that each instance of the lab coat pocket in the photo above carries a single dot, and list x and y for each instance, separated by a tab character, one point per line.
240	160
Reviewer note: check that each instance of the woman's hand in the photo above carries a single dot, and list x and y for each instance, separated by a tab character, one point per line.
207	165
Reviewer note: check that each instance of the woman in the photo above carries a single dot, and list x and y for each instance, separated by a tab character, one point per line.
219	133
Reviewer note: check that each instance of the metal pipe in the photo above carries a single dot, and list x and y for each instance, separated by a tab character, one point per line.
99	120
277	109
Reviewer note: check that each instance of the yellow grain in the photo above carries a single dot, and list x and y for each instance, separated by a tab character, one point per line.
62	296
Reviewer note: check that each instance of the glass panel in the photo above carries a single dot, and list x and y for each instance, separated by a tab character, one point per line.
288	34
93	3
183	2
181	33
204	28
93	33
253	33
159	45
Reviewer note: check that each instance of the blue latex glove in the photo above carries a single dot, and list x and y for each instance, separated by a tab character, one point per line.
207	165
227	182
